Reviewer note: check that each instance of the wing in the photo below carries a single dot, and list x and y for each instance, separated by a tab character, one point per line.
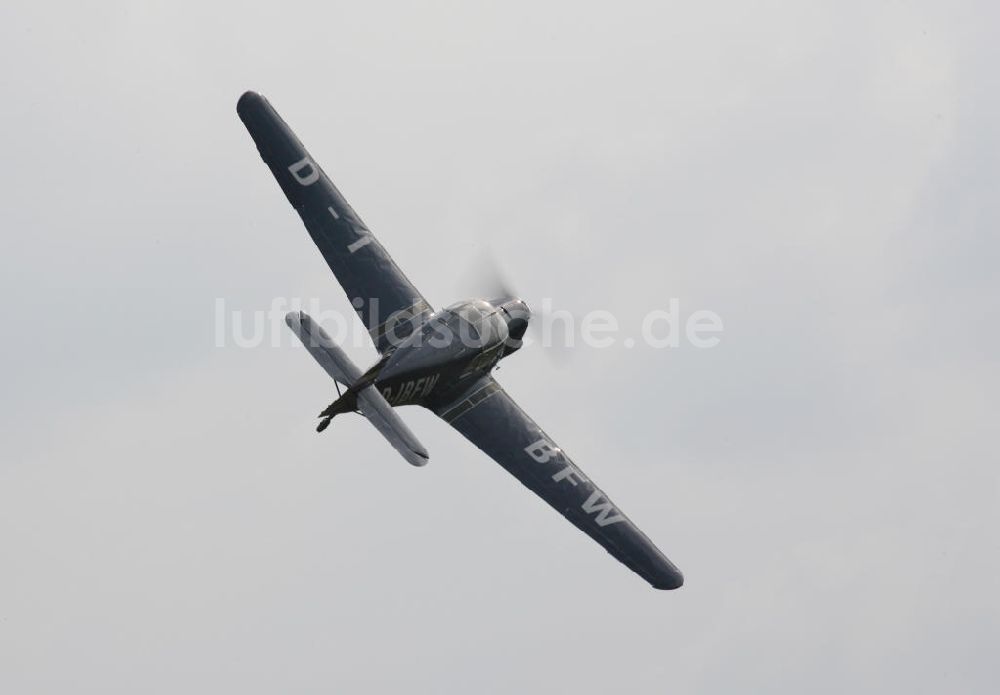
491	420
388	304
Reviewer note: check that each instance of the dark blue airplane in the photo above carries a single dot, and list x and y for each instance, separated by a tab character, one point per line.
441	360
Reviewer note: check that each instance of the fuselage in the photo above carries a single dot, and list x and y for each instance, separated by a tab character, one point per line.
446	353
449	351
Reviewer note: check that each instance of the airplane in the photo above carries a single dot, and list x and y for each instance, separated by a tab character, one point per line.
441	360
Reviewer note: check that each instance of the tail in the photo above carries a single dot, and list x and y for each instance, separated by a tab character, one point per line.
363	397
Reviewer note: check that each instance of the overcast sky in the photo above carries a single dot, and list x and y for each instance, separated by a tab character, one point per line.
822	175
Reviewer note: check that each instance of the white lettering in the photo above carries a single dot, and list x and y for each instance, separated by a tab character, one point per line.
549	319
673	335
599	320
363	241
543	450
568	473
605	511
703	321
309	178
407	390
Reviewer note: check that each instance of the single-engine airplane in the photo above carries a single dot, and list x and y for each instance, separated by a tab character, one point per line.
441	360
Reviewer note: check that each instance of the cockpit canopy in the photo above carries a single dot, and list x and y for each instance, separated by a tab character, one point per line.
478	321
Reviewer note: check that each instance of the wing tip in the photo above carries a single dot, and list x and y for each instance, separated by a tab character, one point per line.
249	100
670	582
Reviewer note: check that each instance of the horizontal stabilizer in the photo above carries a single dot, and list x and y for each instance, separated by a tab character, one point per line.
371	403
321	346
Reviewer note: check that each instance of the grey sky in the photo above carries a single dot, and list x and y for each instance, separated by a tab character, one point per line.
823	175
